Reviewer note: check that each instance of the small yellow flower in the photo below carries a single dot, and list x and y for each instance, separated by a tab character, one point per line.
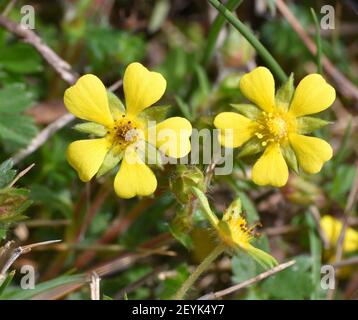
332	228
233	230
124	132
277	128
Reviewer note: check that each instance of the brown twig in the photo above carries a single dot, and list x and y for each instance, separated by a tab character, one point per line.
237	287
345	86
30	37
42	137
21	174
95	286
20	251
346	262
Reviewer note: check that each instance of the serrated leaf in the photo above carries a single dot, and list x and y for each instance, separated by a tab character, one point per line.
20	58
291	283
7	174
14	98
91	128
309	124
246	109
16	131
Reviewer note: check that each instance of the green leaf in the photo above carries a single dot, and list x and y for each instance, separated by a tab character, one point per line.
6	282
292	283
244	267
14	98
309	124
285	93
172	284
91	128
20	58
7	174
246	109
184	107
16	131
156	113
13	202
159	14
20	294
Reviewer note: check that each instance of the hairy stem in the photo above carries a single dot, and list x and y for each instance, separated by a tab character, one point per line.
203	266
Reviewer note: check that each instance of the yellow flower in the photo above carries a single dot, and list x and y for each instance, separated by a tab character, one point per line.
124	133
277	127
332	228
233	230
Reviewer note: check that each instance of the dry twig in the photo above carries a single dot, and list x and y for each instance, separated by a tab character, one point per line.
237	287
345	86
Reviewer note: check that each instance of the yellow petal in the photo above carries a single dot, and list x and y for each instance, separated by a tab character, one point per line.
239	129
142	87
87	100
271	168
86	156
313	94
134	177
311	152
171	136
332	228
259	87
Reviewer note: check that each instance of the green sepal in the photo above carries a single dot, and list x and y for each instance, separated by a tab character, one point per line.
180	228
290	158
261	257
156	113
253	146
116	106
184	179
110	161
247	110
91	128
285	93
309	124
203	200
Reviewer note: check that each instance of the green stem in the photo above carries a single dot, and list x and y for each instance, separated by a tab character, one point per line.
215	30
318	42
250	37
203	266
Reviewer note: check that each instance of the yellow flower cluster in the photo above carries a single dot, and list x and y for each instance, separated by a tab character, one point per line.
274	126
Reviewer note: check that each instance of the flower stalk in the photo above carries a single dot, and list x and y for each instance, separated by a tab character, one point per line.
202	267
250	37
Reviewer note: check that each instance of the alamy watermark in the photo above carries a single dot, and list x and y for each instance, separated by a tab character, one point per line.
28	17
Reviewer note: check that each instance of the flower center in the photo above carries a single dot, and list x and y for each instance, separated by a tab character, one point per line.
125	131
274	127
